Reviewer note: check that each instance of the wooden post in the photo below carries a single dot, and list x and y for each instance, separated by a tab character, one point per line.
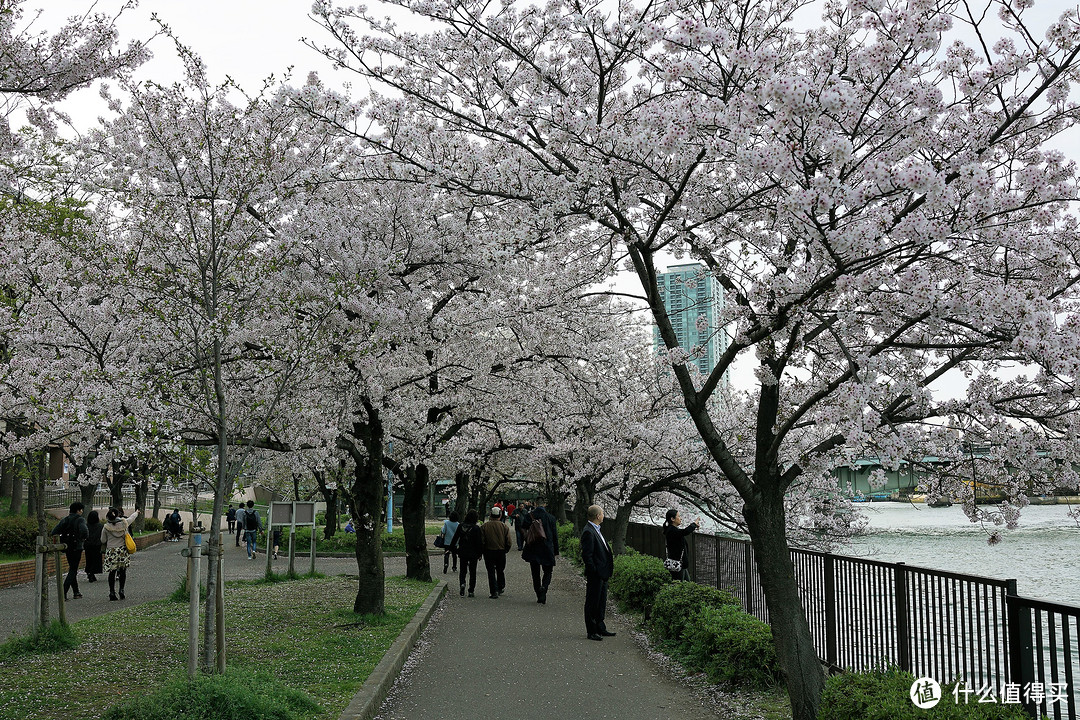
39	584
59	584
292	551
219	603
194	552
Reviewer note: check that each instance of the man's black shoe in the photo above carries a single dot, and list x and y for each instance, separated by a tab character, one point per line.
594	636
493	597
605	633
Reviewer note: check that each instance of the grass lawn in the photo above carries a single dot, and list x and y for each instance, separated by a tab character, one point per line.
302	631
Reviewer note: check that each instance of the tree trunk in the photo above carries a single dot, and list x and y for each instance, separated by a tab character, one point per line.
116	486
330	497
157	498
413	514
32	488
86	496
7	478
461	488
583	498
618	533
795	651
366	499
17	494
142	489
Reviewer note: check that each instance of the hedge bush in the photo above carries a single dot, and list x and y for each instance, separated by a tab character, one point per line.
731	646
569	543
677	604
152	524
885	695
637	579
18	535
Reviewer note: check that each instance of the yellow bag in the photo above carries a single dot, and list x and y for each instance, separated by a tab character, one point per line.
129	542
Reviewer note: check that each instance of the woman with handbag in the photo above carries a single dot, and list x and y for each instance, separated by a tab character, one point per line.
114	538
675	536
449	527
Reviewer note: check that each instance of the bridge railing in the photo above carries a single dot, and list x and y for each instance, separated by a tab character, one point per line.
866	614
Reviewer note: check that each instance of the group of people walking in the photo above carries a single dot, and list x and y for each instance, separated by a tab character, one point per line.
105	545
465	542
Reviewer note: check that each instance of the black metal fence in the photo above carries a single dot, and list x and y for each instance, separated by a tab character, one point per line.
865	614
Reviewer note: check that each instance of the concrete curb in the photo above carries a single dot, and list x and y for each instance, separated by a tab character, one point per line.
365	704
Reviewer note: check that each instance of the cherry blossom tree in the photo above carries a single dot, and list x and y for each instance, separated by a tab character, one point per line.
200	190
878	196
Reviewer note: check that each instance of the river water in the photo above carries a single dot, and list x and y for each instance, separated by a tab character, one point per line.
1042	554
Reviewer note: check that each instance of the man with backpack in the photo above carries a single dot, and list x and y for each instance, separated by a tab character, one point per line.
73	533
252	525
541	548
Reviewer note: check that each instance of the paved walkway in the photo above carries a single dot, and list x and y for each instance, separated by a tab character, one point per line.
154	573
512	657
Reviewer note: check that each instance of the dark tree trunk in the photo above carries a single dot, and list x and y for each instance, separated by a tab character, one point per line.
365	496
618	533
142	489
461	500
583	498
296	486
7	478
33	489
17	494
157	498
413	514
86	496
330	497
795	651
116	486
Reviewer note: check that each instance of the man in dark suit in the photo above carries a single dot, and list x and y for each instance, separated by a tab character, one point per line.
599	564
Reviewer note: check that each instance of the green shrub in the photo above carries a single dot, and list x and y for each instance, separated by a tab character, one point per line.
637	579
152	524
341	542
885	695
182	594
678	604
569	543
733	647
234	695
53	638
18	535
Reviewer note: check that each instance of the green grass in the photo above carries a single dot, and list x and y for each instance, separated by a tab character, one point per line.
55	638
302	632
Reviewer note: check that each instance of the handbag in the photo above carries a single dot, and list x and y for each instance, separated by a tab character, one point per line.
673	565
129	543
440	540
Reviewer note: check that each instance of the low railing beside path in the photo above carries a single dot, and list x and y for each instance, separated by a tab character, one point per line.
866	614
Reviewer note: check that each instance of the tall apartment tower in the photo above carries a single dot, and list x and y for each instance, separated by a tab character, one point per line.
688	293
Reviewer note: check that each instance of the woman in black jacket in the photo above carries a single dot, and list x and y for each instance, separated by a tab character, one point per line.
676	541
540	554
93	546
468	543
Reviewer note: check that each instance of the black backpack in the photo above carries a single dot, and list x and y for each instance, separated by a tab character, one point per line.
251	520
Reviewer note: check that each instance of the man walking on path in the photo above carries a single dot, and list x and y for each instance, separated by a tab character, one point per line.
496	545
599	564
252	525
73	533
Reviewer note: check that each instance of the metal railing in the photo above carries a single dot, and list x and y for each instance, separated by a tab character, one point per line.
866	614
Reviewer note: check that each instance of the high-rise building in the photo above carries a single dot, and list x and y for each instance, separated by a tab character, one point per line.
693	300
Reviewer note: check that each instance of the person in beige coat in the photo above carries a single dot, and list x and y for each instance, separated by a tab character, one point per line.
117	559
